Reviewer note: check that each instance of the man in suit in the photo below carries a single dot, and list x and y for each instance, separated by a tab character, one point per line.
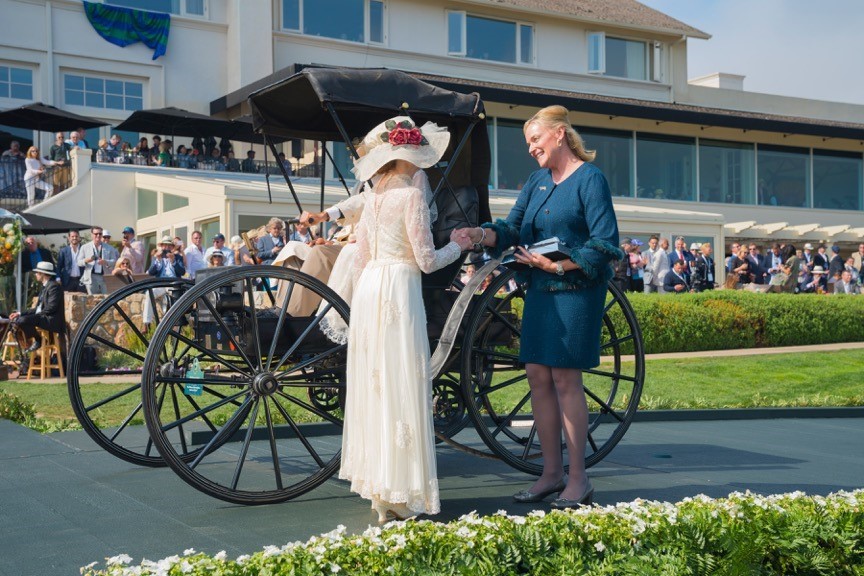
96	262
836	265
676	281
845	285
656	266
48	313
858	257
758	271
67	264
703	270
270	244
167	260
773	260
807	255
681	253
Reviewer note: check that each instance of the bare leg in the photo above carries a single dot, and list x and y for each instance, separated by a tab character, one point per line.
574	415
547	419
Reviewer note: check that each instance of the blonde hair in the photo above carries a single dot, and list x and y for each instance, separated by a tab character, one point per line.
554	117
32	149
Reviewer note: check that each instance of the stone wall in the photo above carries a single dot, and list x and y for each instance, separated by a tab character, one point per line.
113	326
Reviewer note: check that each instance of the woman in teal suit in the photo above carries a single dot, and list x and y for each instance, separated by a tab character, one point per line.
568	198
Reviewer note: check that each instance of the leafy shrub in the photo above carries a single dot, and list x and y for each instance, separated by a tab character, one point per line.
741	534
14	409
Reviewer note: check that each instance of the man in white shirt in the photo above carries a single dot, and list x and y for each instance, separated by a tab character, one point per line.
67	264
195	255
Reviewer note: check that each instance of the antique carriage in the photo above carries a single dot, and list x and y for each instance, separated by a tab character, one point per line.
244	401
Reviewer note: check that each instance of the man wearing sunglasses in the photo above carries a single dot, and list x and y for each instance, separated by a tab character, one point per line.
97	260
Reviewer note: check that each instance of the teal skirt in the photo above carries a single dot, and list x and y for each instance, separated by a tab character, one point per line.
562	329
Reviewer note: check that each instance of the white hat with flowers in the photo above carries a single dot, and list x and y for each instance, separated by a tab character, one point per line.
399	139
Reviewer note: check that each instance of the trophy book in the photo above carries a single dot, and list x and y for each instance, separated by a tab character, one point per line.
551	248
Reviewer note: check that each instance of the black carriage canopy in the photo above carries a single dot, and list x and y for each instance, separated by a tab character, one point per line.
361	98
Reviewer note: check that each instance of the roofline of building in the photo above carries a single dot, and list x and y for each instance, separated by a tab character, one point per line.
597	104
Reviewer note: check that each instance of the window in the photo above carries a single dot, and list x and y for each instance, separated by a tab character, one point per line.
614	157
726	172
173	202
178	7
147	203
489	39
514	165
624	58
181	232
837	180
351	20
108	93
665	167
208	229
784	176
16	83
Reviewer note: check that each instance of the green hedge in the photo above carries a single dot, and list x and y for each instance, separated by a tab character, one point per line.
731	319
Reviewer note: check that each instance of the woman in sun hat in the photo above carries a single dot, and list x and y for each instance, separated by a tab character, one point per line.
388	450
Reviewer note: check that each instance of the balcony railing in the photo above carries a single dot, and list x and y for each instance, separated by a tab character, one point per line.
19	193
211	164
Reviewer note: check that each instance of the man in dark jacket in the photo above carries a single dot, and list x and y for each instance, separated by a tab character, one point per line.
49	311
676	281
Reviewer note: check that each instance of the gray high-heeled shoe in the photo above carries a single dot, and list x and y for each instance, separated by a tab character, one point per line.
584	500
528	497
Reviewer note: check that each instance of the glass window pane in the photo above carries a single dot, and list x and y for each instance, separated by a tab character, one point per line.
164	6
21	76
491	39
726	172
342	160
514	163
614	157
195	7
114	102
94	84
146	203
173	202
134	104
94	100
22	91
455	20
665	167
113	87
126	136
783	176
341	19
376	21
4	90
4	74
526	46
625	58
73	82
291	14
209	229
74	98
134	89
837	181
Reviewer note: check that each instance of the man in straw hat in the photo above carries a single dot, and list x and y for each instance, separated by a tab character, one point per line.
167	260
48	312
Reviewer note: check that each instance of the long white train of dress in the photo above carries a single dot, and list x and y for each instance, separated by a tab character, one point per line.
388	446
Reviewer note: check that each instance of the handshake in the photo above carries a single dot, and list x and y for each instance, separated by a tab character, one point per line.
466	237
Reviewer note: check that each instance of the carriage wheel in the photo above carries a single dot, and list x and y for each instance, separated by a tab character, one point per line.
496	380
266	387
112	341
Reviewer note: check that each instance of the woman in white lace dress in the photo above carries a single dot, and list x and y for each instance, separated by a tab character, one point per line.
388	450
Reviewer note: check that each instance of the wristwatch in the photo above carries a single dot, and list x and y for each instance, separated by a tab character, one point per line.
559	269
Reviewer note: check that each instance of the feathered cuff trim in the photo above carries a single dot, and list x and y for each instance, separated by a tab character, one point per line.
505	237
588	269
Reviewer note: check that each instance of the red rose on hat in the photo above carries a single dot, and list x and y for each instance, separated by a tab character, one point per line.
398	136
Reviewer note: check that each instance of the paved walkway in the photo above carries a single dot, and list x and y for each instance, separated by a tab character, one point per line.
65	503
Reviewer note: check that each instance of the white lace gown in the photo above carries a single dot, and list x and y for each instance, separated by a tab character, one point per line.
388	448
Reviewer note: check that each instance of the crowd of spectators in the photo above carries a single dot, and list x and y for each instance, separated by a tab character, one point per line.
783	268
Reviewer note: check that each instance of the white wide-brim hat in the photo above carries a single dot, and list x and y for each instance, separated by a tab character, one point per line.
45	268
817	270
389	141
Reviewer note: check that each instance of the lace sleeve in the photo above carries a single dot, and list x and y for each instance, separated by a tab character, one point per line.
420	236
361	258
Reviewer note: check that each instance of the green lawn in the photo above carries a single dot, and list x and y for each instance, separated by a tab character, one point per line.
823	379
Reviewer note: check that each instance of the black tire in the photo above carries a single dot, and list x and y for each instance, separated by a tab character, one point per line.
494	378
253	355
124	355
